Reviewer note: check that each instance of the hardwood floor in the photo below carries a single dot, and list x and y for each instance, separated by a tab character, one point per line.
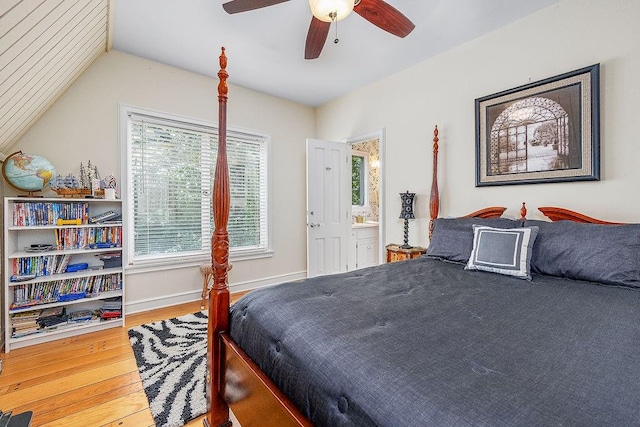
88	380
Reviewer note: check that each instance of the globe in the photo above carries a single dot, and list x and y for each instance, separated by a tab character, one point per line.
28	172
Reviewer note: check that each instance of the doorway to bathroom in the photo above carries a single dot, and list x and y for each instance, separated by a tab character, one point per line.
366	243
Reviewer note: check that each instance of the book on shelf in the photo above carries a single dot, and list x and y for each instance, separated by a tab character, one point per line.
107	315
111	260
25	325
111	308
51	311
24	318
27	268
80	316
21	334
22	329
88	238
53	323
114	302
52	316
63	264
26	315
24	321
48	213
62	290
114	220
106	216
22	277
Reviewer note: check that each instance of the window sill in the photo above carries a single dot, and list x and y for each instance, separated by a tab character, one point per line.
149	266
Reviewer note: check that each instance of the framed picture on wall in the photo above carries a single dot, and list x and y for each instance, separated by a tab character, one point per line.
546	131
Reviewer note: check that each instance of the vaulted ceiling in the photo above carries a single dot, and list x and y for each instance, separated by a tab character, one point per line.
46	44
266	46
44	47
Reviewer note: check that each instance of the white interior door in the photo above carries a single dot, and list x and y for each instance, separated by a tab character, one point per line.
328	206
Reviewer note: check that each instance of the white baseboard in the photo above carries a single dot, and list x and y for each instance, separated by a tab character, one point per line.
138	306
184	297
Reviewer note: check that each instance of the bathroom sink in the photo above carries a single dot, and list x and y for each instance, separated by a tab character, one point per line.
365	224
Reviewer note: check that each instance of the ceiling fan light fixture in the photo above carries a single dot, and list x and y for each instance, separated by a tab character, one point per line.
331	10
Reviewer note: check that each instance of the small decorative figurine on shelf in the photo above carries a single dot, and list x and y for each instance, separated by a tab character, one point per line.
83	177
89	184
90	181
109	185
67	186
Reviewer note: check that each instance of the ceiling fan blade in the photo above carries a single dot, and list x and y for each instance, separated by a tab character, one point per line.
237	6
384	16
317	35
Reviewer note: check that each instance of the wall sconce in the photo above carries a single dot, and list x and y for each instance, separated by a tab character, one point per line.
407	214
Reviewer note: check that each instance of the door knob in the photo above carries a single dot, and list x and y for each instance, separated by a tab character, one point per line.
312	225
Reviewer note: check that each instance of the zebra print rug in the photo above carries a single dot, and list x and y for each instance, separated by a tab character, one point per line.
171	357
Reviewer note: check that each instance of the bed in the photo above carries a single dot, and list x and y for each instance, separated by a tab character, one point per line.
502	322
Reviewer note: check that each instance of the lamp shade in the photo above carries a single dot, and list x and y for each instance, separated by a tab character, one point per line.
331	10
407	205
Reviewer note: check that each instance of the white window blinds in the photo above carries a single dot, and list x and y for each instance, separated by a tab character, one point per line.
172	165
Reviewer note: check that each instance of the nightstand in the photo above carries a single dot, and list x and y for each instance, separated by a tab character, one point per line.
396	253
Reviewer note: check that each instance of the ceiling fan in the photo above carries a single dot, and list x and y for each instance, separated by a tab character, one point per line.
378	12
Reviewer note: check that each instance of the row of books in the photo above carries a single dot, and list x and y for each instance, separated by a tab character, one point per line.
87	238
48	213
25	323
45	265
37	321
27	295
27	268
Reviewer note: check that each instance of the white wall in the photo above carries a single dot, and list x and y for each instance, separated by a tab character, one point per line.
83	125
569	35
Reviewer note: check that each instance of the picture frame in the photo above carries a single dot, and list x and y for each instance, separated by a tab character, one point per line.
541	132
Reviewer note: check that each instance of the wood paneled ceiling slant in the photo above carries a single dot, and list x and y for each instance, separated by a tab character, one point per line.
44	47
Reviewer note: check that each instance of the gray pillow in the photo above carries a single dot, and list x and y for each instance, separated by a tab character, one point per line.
607	254
452	238
502	251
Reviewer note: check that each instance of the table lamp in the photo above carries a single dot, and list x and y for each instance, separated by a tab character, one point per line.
407	214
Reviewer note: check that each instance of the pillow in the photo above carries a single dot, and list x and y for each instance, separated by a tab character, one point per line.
452	238
608	254
502	251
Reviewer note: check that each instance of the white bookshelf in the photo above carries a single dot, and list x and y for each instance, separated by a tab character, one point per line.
35	280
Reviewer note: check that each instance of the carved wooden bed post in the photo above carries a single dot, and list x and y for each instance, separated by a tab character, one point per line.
434	200
218	411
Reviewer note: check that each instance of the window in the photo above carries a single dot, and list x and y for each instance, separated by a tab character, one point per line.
171	165
358	178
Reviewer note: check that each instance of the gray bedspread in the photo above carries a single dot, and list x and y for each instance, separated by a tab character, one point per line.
426	343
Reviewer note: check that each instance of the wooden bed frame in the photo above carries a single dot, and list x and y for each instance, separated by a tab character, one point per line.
233	380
